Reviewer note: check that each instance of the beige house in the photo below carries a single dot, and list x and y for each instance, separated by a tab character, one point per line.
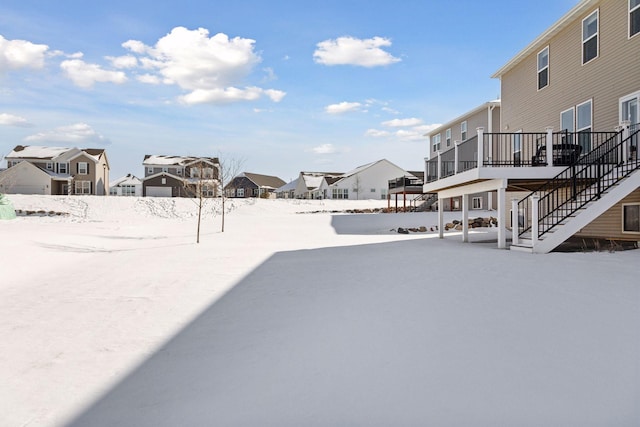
457	133
564	162
55	171
180	176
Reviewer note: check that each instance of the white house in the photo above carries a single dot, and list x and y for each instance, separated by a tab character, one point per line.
128	185
370	181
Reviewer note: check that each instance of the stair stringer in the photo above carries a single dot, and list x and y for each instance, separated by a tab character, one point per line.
586	215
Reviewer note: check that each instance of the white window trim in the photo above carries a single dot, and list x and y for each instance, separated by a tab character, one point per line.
597	34
447	137
622	219
82	185
165	170
86	170
463	131
473	202
543	68
149	170
635	95
590	102
573	121
637	8
436	143
49	166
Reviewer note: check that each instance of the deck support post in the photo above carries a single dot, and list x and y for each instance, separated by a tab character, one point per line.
455	157
502	226
465	218
549	146
535	226
440	219
480	146
626	149
515	222
439	164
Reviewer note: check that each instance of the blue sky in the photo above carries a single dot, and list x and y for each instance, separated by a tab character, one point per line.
283	86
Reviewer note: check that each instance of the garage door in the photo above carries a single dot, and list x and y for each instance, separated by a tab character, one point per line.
158	191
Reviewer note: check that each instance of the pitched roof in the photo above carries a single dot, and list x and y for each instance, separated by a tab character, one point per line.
50	153
153	159
129	179
265	181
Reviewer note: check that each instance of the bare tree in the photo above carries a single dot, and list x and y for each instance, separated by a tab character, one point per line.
201	186
229	167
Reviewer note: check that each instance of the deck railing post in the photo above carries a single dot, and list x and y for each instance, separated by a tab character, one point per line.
480	146
549	147
535	227
455	157
624	127
515	222
439	164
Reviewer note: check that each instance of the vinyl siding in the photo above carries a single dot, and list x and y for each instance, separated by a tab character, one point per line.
613	74
474	121
609	224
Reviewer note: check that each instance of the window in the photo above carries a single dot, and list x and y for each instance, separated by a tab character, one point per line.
83	168
63	167
128	190
476	203
383	193
543	68
340	193
634	17
629	108
208	173
164	181
240	192
590	37
463	130
447	137
583	126
149	170
83	187
49	166
165	170
567	123
179	171
373	190
631	218
436	142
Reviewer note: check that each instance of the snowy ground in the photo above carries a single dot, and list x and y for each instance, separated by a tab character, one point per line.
114	316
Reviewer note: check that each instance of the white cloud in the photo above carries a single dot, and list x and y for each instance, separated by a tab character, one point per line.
15	54
228	95
86	75
77	134
353	51
125	61
210	68
342	107
402	122
325	149
11	120
149	79
375	133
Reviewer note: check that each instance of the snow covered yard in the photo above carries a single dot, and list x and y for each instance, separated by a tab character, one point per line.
112	315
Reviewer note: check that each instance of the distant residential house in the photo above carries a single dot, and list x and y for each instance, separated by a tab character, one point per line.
128	185
287	191
249	184
314	185
370	181
180	176
55	171
460	135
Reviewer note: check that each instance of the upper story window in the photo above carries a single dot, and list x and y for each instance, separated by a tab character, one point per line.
149	170
634	17
463	130
165	169
49	166
436	142
83	168
448	137
63	167
590	37
543	68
